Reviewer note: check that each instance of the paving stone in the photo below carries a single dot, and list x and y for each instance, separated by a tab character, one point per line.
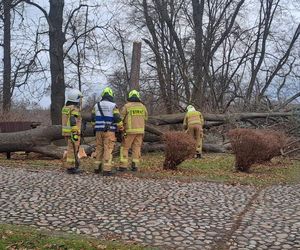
163	213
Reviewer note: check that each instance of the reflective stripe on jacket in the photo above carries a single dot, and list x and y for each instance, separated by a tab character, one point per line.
68	112
193	117
107	121
134	115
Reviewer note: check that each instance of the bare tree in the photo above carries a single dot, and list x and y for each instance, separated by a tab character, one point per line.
57	39
16	66
226	62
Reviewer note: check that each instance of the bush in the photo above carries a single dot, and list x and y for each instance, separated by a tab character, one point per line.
179	147
252	146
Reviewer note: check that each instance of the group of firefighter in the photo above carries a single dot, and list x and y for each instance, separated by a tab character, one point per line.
107	121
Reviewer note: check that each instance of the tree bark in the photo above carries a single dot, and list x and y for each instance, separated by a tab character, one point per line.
56	42
34	140
221	118
7	57
198	10
40	139
135	66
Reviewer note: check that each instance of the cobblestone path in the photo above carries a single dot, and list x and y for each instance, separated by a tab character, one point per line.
160	213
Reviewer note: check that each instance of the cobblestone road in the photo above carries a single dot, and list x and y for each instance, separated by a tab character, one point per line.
161	213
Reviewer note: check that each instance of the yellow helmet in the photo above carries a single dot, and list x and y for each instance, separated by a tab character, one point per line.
190	108
134	93
107	91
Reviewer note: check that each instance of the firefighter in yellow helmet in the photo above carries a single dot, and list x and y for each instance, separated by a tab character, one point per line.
134	114
106	121
71	125
193	122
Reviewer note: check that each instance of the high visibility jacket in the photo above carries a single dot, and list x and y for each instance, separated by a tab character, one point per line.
193	117
110	119
134	115
71	120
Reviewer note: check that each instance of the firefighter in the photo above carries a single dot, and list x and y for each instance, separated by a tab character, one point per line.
106	121
193	123
134	114
71	125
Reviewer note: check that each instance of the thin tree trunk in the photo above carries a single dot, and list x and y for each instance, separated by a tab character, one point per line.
198	9
7	57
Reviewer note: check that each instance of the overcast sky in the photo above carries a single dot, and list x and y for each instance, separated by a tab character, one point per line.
98	80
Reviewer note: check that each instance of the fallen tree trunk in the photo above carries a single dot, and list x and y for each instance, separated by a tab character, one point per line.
87	117
211	120
216	119
34	140
40	139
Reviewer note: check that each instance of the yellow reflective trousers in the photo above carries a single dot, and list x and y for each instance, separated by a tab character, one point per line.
105	142
133	141
196	131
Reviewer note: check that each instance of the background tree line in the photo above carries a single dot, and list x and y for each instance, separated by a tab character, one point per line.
219	55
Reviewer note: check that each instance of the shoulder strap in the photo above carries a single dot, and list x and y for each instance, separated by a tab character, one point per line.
100	109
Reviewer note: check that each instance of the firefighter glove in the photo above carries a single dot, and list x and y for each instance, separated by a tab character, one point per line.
74	137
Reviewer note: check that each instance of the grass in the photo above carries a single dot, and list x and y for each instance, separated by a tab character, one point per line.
220	168
214	167
20	237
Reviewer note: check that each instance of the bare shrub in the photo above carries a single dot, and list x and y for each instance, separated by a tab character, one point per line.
252	146
179	147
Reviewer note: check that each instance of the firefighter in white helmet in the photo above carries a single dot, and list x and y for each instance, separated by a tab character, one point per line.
193	123
106	121
71	125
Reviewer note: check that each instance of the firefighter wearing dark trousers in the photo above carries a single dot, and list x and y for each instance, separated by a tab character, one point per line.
106	121
193	123
71	124
134	115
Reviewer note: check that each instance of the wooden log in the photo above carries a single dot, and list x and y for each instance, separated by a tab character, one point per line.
87	117
135	66
211	120
221	118
40	139
34	140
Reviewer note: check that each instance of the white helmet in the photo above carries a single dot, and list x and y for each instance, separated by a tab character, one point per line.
190	108
74	95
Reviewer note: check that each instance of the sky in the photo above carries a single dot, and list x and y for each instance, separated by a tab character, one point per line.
98	80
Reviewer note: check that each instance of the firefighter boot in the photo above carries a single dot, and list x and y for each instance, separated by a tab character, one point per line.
199	156
122	169
74	170
134	167
108	173
99	169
